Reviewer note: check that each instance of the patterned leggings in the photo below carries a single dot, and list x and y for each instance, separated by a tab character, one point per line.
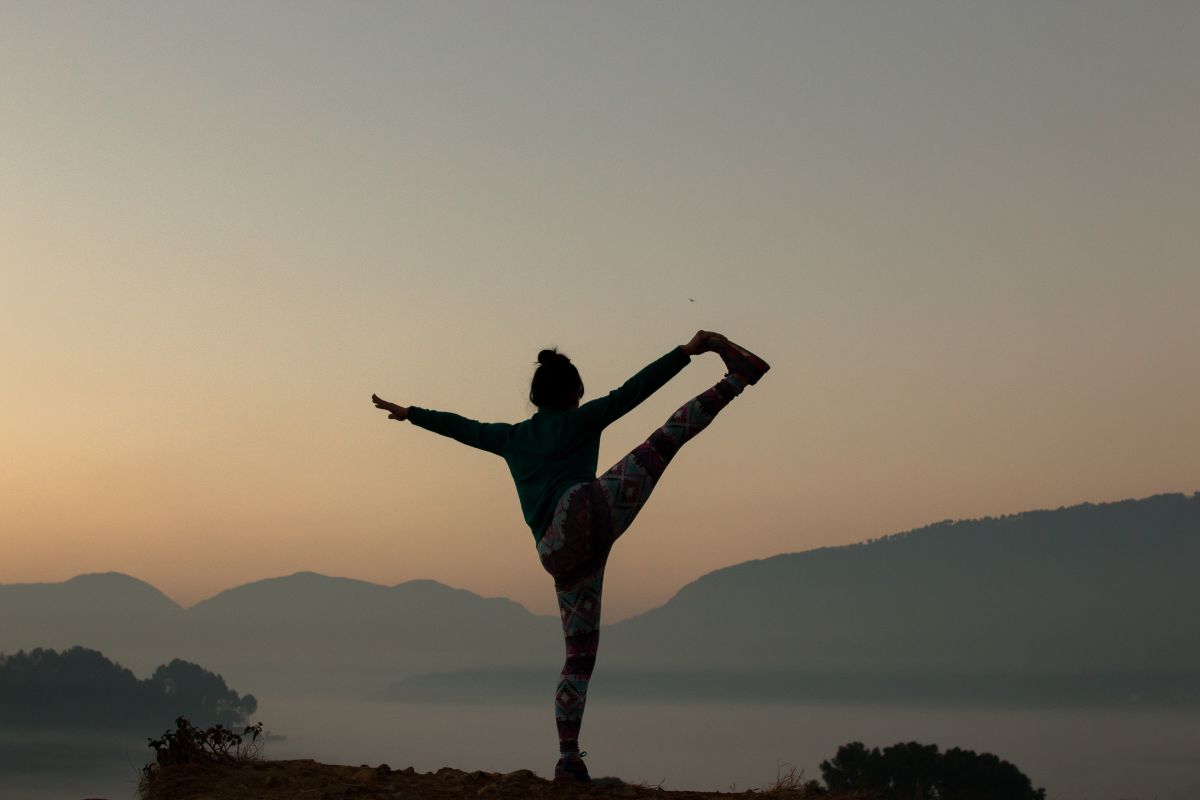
587	521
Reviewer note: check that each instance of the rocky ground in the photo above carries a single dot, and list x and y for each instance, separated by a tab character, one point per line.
310	780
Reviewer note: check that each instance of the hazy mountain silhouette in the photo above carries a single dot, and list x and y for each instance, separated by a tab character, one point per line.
312	631
1091	601
109	612
1091	588
303	631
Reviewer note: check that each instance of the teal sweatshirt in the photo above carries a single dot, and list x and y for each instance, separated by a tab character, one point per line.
556	448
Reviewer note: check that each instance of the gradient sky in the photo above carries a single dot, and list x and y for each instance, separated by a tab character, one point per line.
964	233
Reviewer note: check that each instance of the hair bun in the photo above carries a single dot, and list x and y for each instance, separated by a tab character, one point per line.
556	382
550	357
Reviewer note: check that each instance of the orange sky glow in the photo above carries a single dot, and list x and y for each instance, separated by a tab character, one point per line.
965	239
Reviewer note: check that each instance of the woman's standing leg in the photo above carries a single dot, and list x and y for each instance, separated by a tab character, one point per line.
579	607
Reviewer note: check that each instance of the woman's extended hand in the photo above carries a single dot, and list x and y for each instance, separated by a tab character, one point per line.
396	412
699	342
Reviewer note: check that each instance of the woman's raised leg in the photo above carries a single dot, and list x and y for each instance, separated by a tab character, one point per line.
627	485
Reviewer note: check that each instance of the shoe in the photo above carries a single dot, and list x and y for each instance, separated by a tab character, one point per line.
570	767
738	360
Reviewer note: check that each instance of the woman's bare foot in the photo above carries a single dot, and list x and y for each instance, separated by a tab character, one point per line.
738	360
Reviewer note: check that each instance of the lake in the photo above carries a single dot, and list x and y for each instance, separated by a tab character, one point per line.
1075	755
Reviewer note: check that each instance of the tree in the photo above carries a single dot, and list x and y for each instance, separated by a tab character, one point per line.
983	776
854	768
913	771
183	685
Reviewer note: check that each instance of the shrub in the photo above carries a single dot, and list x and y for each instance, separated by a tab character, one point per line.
187	744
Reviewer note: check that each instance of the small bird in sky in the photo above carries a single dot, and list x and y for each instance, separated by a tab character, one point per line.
691	299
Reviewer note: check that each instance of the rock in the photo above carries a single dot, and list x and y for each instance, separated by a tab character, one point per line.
520	775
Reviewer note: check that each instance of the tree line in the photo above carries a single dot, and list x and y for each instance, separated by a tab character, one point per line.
81	688
914	771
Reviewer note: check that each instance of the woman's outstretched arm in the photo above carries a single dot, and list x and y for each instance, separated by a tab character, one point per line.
490	436
620	401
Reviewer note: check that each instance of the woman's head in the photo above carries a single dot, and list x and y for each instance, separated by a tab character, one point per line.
556	382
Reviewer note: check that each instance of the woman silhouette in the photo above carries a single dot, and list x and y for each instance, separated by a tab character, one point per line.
575	515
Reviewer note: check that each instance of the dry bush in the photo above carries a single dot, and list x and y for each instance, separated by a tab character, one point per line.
790	781
189	746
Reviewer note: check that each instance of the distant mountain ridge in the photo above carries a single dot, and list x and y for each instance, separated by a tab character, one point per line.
1100	590
1092	587
303	631
118	587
